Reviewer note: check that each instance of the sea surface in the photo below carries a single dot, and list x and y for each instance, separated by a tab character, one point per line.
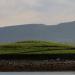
37	73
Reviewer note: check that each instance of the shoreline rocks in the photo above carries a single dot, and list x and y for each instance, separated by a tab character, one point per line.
36	65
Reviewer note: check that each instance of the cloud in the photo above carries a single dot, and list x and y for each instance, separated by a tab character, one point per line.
36	11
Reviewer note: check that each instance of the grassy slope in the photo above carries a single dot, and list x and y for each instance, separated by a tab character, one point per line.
36	47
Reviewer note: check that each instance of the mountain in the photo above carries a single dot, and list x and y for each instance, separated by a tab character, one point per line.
63	32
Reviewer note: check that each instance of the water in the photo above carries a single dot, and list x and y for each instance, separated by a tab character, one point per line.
37	73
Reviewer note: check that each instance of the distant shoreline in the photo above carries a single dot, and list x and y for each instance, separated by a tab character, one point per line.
33	65
36	56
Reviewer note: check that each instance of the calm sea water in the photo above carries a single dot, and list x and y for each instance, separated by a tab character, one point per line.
37	73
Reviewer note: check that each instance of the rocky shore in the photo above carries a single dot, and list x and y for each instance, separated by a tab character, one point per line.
36	65
18	62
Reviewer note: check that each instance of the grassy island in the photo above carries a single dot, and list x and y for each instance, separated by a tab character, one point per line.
36	47
37	56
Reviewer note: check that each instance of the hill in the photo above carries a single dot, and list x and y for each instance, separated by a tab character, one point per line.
64	32
36	56
36	47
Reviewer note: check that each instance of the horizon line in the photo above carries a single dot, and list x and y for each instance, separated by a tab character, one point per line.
35	24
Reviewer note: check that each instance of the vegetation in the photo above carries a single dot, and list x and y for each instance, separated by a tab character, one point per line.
36	47
36	56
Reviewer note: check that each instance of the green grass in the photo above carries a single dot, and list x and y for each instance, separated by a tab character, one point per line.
36	47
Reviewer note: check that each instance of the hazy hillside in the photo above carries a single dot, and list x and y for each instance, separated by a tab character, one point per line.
63	32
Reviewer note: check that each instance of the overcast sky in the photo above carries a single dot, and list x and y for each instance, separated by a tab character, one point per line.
50	12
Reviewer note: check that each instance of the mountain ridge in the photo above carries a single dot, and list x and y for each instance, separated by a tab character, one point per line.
63	32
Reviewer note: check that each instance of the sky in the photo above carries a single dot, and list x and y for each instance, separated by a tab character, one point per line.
49	12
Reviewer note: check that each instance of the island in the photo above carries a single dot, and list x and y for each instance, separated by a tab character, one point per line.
36	56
